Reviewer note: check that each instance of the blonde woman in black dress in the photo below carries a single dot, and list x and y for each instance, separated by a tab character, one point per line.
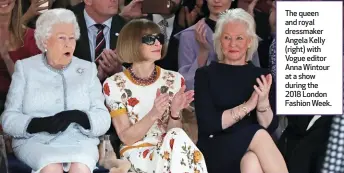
232	103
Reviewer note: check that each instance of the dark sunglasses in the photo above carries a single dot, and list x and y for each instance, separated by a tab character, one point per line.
150	39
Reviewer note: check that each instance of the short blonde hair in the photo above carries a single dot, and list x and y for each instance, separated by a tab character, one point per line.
240	15
130	40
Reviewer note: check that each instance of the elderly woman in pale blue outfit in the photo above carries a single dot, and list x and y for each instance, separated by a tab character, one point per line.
55	107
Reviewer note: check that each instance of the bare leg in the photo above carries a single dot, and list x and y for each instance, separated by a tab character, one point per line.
250	163
270	158
54	167
79	168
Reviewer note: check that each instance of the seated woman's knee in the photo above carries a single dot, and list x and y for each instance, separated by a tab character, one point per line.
262	134
250	163
54	167
79	168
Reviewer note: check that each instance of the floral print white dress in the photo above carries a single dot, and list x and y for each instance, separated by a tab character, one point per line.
160	151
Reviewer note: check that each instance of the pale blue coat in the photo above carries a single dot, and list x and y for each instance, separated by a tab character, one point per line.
38	90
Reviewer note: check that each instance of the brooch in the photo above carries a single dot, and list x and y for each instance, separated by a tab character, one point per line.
80	70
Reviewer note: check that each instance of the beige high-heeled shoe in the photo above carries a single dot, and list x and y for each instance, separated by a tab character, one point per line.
109	160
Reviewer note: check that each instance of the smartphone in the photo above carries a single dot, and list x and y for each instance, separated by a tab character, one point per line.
44	5
156	6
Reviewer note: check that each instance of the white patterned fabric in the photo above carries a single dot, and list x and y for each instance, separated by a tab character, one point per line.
161	150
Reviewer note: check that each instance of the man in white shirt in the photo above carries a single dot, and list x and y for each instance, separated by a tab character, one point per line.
100	24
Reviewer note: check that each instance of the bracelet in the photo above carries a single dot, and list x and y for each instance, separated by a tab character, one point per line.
175	118
264	109
235	116
244	108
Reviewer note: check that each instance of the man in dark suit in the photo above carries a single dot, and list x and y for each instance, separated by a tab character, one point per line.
169	27
100	24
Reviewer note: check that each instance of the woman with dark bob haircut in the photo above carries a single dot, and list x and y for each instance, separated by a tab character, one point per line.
145	103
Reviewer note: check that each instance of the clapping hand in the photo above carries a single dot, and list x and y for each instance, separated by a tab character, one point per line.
108	64
251	7
101	74
201	35
186	18
35	7
161	104
263	89
181	100
204	46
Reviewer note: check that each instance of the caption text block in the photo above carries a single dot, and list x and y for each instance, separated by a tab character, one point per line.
309	58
